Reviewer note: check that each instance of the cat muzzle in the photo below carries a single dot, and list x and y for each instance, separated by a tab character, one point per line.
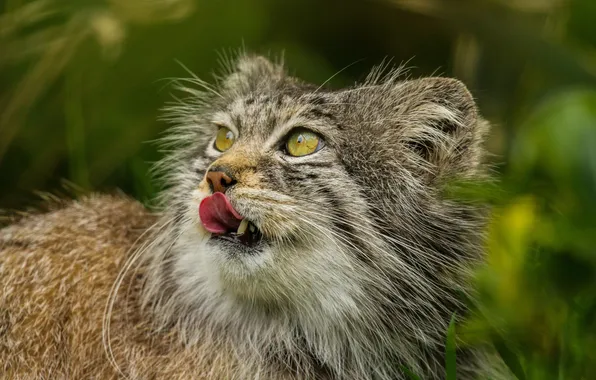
221	219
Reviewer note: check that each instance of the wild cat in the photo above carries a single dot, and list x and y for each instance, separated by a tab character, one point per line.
304	234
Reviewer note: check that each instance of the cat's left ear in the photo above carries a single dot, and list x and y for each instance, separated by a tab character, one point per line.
434	122
445	127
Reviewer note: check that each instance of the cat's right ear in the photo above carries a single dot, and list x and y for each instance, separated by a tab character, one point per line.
433	121
252	71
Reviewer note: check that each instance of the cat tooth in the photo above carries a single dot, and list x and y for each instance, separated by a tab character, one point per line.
242	227
252	227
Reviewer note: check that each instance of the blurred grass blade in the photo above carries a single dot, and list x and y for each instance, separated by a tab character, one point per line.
509	358
75	129
25	15
38	79
450	356
409	373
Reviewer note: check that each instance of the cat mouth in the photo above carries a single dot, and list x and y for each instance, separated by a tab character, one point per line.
219	217
247	234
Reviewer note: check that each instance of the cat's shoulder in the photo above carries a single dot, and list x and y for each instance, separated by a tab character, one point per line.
79	240
113	217
56	272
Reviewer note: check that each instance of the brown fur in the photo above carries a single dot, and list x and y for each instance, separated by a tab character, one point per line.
56	273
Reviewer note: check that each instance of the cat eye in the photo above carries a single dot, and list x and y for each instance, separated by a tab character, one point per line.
224	140
302	142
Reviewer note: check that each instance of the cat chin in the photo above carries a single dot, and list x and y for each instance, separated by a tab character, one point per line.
211	268
204	262
278	277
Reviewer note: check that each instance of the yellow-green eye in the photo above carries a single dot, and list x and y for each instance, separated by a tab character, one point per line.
224	140
303	142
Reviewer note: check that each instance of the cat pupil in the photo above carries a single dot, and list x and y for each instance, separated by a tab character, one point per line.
300	139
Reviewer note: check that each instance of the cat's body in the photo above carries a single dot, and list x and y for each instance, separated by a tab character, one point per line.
350	270
57	271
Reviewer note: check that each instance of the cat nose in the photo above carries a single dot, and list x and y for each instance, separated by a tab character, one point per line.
219	180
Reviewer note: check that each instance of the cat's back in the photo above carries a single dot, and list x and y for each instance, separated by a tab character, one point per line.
56	272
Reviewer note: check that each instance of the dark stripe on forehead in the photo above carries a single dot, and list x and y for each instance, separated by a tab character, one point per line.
319	113
237	121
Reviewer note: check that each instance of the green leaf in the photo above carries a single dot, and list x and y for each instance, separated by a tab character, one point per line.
409	373
450	347
509	358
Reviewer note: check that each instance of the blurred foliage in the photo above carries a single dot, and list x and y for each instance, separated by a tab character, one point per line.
538	291
83	81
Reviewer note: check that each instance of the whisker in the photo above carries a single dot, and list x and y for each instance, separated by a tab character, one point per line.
196	80
338	72
106	336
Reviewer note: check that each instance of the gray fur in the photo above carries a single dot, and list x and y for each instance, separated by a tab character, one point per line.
363	256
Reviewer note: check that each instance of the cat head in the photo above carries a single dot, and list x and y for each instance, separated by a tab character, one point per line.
292	200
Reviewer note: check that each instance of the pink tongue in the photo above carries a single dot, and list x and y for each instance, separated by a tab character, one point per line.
218	215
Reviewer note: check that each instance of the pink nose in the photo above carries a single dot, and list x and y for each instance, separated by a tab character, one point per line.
219	180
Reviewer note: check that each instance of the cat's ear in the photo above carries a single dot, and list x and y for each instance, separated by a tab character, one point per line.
251	71
445	128
435	120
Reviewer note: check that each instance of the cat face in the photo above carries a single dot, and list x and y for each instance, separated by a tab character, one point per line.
295	197
292	199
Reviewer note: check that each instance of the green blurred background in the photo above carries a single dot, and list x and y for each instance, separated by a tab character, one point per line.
82	83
